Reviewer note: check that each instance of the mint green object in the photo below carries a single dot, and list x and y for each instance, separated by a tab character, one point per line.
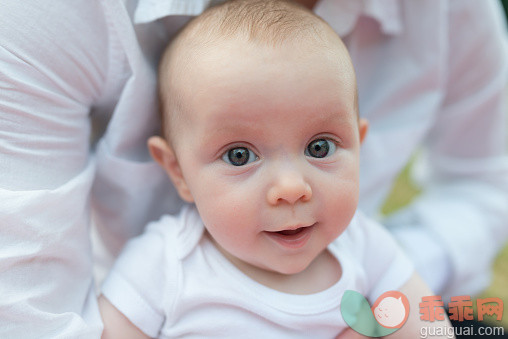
357	313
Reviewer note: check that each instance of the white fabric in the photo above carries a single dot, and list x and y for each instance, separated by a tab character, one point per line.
430	73
173	282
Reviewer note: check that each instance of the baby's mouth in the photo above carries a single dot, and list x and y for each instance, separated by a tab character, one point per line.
291	232
292	238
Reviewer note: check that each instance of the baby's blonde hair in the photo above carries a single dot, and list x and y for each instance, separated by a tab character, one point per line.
264	22
267	22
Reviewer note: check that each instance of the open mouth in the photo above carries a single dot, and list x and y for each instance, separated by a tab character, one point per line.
292	238
291	232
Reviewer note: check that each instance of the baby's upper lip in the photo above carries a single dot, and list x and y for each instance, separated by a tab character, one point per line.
292	227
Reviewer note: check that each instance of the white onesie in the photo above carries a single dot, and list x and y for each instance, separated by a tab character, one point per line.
171	281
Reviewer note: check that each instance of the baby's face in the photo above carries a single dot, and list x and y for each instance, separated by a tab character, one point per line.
269	149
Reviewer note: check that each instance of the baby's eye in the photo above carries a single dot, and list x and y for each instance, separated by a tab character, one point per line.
239	156
320	148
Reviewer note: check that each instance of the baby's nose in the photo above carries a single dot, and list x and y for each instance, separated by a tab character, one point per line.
289	187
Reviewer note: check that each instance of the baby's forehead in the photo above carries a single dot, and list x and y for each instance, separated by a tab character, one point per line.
261	22
216	45
235	72
241	63
206	55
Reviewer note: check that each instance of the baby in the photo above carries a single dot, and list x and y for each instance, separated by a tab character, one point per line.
261	134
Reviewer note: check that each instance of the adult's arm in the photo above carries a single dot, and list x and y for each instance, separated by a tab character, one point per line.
53	64
464	208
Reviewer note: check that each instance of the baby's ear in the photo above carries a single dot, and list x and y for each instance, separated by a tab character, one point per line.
363	127
164	155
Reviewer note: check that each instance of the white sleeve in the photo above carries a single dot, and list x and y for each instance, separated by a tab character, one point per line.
51	70
143	277
130	189
386	266
464	206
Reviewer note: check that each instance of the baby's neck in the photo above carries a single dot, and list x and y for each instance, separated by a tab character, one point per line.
322	273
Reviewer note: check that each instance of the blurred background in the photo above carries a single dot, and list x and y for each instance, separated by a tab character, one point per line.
405	190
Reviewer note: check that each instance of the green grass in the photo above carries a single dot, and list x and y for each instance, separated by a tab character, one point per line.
403	192
499	286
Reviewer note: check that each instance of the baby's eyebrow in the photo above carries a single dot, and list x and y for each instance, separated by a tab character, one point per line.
334	117
233	128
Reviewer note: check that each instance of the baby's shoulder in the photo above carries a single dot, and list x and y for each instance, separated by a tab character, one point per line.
363	227
145	281
178	233
363	237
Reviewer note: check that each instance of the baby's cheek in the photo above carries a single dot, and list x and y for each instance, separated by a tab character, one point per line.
344	198
225	208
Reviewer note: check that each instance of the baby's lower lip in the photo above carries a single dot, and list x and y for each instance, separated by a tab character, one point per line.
292	239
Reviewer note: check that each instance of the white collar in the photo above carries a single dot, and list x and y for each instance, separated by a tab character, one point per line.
345	13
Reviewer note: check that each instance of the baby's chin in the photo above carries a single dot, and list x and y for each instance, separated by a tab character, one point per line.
282	268
291	266
295	269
